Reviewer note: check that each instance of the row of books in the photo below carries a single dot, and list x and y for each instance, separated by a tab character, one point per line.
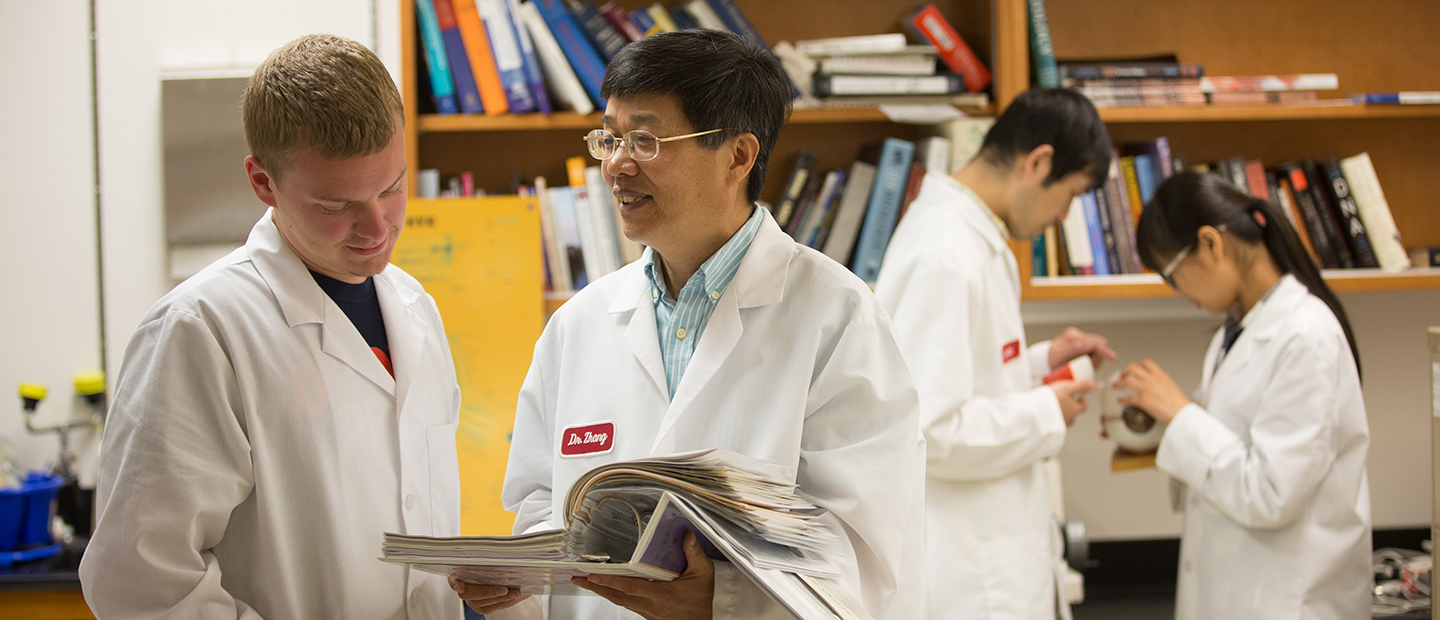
1336	206
1147	84
580	227
508	56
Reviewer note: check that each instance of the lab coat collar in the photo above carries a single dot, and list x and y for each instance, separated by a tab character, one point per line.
1260	325
973	211
302	301
760	280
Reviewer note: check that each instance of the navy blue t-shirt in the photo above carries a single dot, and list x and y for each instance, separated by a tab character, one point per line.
359	302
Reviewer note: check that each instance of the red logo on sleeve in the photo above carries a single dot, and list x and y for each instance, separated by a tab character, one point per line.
589	439
1010	351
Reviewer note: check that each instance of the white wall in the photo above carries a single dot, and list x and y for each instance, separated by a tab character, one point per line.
1390	329
49	319
138	40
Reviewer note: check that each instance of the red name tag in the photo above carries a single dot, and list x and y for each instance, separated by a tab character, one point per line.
1010	351
588	439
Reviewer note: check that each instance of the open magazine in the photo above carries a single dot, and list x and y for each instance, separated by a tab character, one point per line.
630	518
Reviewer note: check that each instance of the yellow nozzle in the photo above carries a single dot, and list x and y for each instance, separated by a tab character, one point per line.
90	383
32	391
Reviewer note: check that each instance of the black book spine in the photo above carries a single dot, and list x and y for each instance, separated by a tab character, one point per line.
1328	214
1305	199
1349	215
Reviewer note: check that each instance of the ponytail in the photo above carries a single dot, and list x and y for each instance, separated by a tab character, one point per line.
1189	200
1283	244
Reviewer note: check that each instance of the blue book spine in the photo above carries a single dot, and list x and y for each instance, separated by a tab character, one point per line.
1097	234
683	19
642	20
533	75
1037	256
735	21
1376	98
442	89
1145	177
883	210
505	45
602	35
467	94
582	56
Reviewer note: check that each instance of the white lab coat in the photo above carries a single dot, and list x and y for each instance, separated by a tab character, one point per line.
798	365
257	450
951	285
1277	511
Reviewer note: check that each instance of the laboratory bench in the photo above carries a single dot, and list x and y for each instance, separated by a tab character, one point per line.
45	589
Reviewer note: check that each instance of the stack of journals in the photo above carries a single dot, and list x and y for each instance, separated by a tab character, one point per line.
933	65
1124	84
630	518
508	56
1262	89
1336	206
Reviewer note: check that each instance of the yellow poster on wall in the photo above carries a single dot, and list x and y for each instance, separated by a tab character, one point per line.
480	258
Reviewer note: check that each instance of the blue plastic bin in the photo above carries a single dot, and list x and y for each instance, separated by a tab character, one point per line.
25	512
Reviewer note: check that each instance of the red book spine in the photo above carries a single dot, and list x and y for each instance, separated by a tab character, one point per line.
932	27
621	21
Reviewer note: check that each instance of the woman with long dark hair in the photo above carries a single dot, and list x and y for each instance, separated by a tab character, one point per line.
1272	449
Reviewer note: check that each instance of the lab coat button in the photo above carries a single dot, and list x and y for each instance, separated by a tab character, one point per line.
680	333
1187	565
410	502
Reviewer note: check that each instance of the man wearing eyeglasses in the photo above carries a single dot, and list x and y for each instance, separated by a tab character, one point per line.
950	281
725	334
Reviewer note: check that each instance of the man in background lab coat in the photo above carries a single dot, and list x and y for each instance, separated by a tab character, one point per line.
951	285
725	334
279	411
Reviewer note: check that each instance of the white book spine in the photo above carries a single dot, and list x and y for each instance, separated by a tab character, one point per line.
935	154
503	45
558	73
841	241
853	45
701	11
559	267
594	264
1077	236
602	209
879	65
562	203
1375	212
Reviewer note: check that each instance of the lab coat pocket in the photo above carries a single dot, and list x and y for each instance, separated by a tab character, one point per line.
444	480
1019	582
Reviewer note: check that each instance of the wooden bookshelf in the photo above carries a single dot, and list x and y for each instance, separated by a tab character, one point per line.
571	120
1385	47
1372	48
1336	110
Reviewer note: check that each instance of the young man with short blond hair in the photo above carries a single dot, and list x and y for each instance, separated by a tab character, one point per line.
278	412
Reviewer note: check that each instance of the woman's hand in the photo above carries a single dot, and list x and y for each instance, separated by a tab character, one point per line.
1155	392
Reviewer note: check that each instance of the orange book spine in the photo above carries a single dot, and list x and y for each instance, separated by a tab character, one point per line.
1287	200
482	61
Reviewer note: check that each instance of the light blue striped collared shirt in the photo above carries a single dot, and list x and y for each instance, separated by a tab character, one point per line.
682	320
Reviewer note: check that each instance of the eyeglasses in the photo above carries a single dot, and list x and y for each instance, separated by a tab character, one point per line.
1168	272
640	145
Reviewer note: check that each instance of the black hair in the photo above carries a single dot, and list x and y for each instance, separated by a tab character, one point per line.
1189	200
721	80
1059	117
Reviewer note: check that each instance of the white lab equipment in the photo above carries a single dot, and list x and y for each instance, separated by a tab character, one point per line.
1129	427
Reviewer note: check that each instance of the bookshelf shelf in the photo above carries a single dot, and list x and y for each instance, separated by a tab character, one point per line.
429	123
1320	111
1149	285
